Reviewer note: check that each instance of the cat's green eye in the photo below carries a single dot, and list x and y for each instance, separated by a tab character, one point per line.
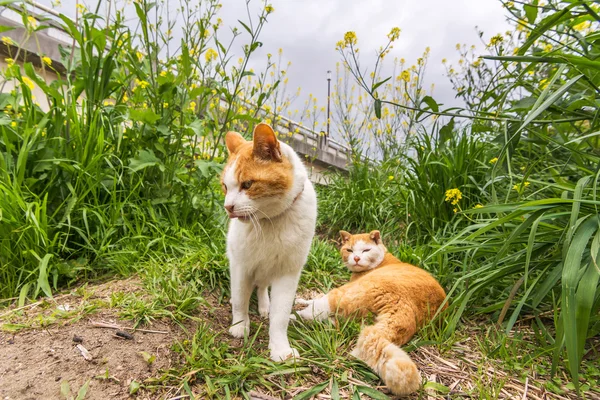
246	184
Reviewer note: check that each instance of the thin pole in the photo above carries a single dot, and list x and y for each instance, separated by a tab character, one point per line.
328	100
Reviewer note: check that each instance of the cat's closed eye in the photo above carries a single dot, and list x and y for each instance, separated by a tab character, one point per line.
364	251
349	250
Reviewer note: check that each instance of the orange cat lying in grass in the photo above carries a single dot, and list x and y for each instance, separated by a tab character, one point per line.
402	296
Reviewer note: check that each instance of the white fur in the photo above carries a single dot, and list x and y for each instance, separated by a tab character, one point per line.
269	249
317	309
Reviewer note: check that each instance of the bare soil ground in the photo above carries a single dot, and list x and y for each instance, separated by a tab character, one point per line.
36	362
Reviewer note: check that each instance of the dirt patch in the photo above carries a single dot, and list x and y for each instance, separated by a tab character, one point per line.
35	363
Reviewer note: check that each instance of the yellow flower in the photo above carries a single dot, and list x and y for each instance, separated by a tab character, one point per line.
165	105
210	55
46	60
13	124
7	40
32	21
391	177
350	38
269	9
125	97
526	183
455	210
478	206
81	8
496	40
9	61
494	160
453	196
139	55
394	34
163	73
142	84
543	83
28	82
192	105
547	48
582	26
444	61
405	76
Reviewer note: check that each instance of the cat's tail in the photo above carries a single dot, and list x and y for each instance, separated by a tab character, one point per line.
390	362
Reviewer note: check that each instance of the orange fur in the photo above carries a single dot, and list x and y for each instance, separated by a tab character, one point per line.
402	296
259	162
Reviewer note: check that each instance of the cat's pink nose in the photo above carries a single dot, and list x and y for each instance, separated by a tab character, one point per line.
356	258
230	208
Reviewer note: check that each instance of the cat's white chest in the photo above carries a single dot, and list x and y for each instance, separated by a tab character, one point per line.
270	248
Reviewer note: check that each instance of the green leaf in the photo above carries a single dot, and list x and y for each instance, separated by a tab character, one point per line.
149	358
372	393
83	391
531	11
144	159
377	106
534	113
433	105
23	294
134	386
445	133
376	85
311	392
545	24
43	282
144	115
570	281
438	387
65	389
335	390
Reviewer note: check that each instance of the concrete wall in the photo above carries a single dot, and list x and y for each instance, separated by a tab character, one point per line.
39	94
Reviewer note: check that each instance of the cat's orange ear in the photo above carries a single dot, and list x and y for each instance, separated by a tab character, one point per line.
345	236
375	236
234	140
266	145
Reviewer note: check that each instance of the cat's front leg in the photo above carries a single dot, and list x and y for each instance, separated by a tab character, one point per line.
316	309
283	291
241	289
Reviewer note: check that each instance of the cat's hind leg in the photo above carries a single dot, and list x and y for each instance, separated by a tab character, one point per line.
264	304
283	290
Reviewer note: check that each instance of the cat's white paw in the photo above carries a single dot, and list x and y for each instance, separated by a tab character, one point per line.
307	313
240	329
284	353
264	312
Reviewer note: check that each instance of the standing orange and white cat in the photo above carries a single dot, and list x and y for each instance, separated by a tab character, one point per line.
273	210
403	298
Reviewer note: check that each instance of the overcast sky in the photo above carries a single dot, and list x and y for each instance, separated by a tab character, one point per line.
307	31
